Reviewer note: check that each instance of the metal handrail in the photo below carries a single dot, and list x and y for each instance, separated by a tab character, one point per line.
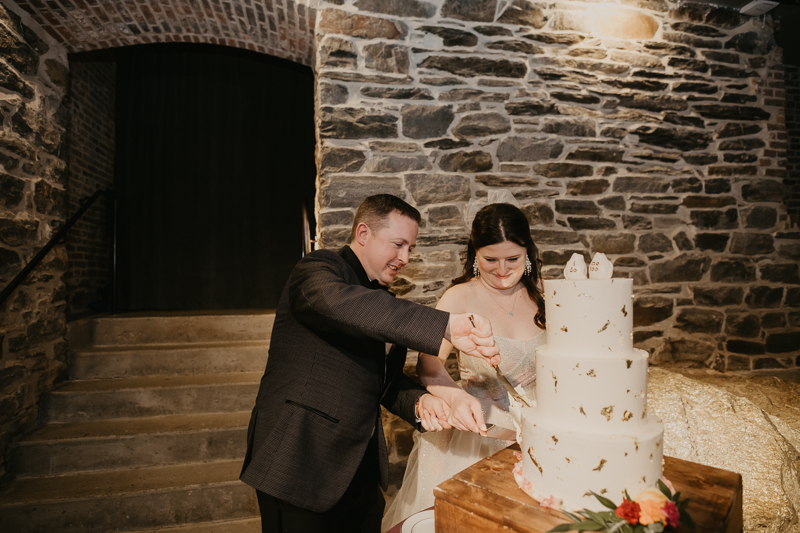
86	203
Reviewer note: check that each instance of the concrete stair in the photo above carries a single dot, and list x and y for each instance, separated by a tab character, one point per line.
149	432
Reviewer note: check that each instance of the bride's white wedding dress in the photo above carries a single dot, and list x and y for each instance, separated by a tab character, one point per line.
438	456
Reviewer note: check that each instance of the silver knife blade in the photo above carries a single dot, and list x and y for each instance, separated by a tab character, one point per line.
511	390
496	432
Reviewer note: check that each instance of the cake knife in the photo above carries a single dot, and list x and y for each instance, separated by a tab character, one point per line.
511	390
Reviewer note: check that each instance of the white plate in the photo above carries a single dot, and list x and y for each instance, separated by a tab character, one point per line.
422	522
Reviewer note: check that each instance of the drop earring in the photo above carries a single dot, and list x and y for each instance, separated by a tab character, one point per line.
475	271
528	266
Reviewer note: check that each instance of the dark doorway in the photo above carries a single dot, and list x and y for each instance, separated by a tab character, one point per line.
214	170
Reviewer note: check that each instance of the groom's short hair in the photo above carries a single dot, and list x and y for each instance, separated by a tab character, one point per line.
374	210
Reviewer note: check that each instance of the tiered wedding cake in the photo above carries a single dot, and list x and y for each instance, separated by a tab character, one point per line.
590	429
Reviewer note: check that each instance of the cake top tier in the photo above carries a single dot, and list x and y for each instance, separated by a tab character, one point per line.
589	317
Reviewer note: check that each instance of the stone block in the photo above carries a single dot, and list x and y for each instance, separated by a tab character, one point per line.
332	238
695	320
332	94
491	180
336	52
587	187
571	128
397	163
716	242
356	123
469	10
773	320
741	144
752	42
471	66
700	159
733	271
447	144
783	342
790	251
398	8
555	237
577	207
761	297
715	219
563	170
745	347
515	46
401	286
445	215
630	222
655	242
740	158
680	120
718	296
50	200
426	121
708	202
13	188
623	243
793	297
340	159
336	21
742	325
452	36
336	218
695	87
628	262
642	336
531	108
560	257
539	214
684	267
780	273
469	162
680	185
673	138
528	149
19	232
597	154
591	223
481	125
437	188
688	349
641	184
523	13
586	99
794	319
612	203
766	363
654	209
386	57
350	191
657	103
732	112
762	190
752	243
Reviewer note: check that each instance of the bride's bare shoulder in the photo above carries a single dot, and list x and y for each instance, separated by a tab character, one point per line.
457	298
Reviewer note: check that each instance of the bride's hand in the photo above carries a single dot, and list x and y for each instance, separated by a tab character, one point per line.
466	413
433	413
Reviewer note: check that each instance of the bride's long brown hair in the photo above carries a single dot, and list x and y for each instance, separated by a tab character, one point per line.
498	223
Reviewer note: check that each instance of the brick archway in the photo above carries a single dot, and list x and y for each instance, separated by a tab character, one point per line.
282	28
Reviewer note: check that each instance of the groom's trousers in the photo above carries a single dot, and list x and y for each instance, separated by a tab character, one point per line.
360	510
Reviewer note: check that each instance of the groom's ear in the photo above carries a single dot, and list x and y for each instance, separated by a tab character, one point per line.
361	233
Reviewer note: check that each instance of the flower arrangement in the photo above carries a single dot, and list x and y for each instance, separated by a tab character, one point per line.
653	510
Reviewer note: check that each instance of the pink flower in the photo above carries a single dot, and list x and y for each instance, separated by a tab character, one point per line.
527	486
517	469
550	503
670	510
668	484
518	455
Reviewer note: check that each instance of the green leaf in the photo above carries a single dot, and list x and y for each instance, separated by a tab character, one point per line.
664	489
628	496
561	528
655	527
687	520
618	527
595	517
588	525
573	516
639	528
677	497
605	501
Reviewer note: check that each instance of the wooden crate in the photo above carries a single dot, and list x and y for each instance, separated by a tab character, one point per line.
485	498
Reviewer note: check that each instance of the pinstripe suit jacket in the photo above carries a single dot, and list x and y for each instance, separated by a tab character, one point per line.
318	402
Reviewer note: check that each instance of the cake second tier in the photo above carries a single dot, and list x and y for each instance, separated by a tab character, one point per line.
593	393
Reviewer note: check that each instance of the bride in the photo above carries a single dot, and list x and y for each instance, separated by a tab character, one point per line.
501	277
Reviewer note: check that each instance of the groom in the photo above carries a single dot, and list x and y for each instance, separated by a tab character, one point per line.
316	453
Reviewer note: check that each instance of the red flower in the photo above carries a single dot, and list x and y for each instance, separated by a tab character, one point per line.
670	510
629	511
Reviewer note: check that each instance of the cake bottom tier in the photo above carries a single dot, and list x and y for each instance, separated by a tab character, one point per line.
568	464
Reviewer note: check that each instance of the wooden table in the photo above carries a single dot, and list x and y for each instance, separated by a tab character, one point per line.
485	498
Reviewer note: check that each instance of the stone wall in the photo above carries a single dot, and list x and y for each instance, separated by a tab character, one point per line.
33	76
649	131
792	181
90	163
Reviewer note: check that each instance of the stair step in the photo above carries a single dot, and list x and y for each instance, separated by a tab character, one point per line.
169	328
152	396
128	500
113	362
66	448
251	525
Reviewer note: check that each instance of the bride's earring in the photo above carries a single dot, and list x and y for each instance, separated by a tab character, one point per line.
528	266
475	271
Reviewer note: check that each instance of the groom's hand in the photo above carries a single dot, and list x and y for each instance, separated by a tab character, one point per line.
476	340
433	413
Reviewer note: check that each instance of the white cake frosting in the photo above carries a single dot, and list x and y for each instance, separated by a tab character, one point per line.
589	429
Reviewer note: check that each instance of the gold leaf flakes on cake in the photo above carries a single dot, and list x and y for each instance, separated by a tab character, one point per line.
591	373
626	454
533	458
582	411
644	413
651	456
603	491
658	443
564	329
554	439
555	381
628	362
587	494
636	443
567	459
600	466
644	480
627	416
608	412
605	327
624	312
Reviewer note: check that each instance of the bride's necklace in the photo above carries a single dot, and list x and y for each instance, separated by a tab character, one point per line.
489	292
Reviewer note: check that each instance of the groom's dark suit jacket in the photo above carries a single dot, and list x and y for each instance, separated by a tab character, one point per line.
327	373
